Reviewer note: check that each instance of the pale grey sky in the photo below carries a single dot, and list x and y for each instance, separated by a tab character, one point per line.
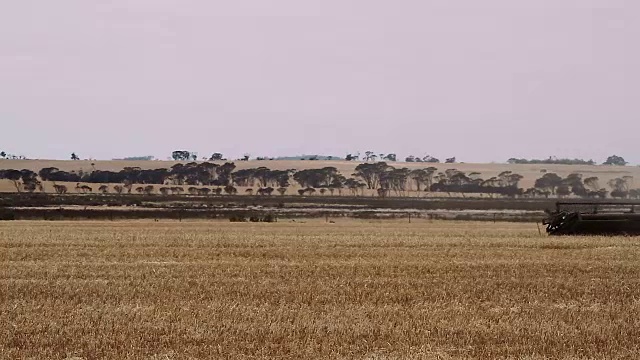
480	80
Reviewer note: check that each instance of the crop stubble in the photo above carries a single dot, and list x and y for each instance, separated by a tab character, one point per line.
315	290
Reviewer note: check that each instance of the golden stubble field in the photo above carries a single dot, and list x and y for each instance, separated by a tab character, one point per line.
355	289
529	172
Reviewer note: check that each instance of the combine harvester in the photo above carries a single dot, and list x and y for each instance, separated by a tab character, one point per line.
594	218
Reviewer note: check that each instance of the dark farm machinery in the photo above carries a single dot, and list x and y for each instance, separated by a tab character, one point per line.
594	218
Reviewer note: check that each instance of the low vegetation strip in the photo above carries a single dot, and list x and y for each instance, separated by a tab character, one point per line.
115	207
175	201
245	214
352	289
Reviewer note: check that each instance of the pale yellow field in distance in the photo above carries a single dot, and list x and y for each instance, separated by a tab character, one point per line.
530	172
371	290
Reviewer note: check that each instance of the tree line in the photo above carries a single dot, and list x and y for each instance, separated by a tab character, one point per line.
369	156
590	187
384	179
5	155
611	160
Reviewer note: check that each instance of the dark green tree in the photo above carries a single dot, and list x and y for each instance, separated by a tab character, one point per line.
181	155
14	176
575	183
620	186
563	190
316	178
216	157
354	185
420	177
390	157
615	160
370	173
394	179
430	159
549	182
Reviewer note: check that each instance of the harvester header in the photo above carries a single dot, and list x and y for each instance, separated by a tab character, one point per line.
594	218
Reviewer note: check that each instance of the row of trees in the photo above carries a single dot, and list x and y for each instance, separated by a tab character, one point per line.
369	156
147	189
193	173
184	155
611	160
7	156
590	187
379	176
428	159
22	179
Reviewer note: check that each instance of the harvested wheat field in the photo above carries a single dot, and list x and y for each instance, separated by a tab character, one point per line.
370	290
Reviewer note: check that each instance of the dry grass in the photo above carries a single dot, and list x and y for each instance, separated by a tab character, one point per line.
371	290
530	172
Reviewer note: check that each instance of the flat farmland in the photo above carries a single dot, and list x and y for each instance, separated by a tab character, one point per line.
291	290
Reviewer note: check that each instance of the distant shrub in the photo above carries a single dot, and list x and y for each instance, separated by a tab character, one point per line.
267	218
237	218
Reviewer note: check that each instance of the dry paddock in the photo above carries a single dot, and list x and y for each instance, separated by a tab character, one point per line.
291	290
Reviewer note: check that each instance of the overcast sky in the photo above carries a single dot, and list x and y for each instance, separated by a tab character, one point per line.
480	80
